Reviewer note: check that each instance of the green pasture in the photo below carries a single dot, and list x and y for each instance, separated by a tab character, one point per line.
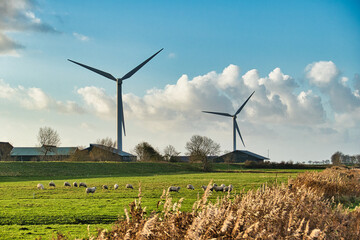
29	213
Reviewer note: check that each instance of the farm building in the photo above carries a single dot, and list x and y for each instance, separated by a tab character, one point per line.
240	156
97	152
5	149
44	153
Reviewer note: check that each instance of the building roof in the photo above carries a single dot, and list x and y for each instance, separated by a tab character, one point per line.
111	149
39	151
250	154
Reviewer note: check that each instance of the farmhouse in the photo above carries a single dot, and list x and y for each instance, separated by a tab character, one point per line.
97	152
240	156
5	149
45	153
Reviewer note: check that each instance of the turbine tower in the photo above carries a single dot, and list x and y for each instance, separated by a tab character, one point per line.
235	125
119	109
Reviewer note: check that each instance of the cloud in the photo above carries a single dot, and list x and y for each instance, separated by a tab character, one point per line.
36	99
81	37
100	103
326	76
18	16
172	55
322	73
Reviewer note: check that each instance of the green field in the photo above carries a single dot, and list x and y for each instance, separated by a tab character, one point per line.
29	213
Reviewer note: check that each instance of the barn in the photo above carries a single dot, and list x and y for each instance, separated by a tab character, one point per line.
240	156
43	153
97	152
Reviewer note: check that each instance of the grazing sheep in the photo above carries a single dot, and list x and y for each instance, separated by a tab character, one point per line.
223	185
173	189
228	188
116	186
189	186
90	190
218	188
82	184
129	186
66	184
105	187
51	184
75	184
40	186
205	187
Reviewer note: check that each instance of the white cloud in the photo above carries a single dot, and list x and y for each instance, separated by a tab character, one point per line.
172	55
36	99
322	73
98	101
17	16
81	37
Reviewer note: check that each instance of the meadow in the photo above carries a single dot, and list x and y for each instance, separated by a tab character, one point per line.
29	213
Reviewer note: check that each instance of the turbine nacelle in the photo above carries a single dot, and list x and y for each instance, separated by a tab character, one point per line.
235	125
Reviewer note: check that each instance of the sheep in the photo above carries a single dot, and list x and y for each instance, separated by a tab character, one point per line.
205	187
116	186
129	186
173	189
90	190
228	188
51	184
105	187
40	186
218	188
223	185
82	185
66	184
75	184
189	186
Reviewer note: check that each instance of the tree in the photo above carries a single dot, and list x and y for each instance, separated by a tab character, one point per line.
200	147
336	158
48	139
146	153
107	142
170	153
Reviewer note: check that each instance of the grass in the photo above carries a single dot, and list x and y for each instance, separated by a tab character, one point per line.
42	213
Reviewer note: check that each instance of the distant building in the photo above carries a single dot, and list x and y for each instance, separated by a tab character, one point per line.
44	153
239	156
5	149
97	152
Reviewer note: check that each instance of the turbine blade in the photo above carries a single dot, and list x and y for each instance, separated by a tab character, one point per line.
122	114
102	73
132	72
218	113
238	130
242	106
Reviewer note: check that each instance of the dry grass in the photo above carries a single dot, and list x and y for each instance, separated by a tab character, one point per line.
303	211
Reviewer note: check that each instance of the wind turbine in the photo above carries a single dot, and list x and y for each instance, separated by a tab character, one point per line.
119	109
235	125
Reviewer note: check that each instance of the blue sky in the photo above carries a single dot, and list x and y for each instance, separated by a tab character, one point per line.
301	57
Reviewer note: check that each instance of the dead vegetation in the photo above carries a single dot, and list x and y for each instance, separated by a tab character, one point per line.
304	209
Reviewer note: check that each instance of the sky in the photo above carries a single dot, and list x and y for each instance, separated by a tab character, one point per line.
302	59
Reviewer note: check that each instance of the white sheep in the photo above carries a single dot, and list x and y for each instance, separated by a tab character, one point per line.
90	190
105	187
51	184
173	189
218	188
223	185
116	186
82	184
40	186
75	184
189	186
66	184
129	186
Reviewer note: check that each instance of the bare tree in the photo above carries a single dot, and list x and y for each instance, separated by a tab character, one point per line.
146	152
336	158
200	147
48	139
107	142
170	153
